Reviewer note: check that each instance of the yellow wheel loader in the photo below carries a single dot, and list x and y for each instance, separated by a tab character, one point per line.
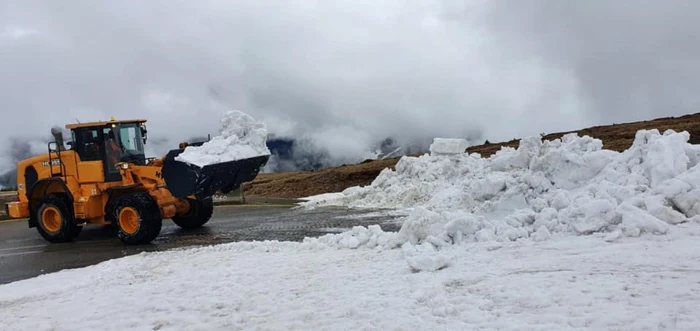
105	178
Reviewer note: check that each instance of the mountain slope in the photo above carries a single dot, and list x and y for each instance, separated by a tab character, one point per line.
617	137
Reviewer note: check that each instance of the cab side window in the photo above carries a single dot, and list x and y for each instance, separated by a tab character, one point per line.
87	143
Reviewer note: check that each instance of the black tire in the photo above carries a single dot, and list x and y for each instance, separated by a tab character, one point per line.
76	232
148	221
55	220
200	213
110	215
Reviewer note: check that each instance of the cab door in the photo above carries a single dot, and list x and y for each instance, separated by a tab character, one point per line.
87	142
111	155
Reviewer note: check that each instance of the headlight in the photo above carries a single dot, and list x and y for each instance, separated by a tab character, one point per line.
125	166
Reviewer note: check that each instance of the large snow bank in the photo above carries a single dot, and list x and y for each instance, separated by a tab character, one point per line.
240	137
568	186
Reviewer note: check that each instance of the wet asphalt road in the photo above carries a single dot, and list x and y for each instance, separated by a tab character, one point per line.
25	254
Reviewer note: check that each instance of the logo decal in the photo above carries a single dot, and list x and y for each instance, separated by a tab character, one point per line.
53	163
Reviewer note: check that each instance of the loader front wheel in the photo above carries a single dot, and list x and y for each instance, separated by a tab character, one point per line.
199	214
55	219
137	217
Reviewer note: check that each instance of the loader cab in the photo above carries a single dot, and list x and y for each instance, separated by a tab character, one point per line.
110	142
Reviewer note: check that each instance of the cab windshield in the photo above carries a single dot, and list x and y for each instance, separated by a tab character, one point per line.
130	141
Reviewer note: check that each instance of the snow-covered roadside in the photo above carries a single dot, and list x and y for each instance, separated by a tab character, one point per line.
552	236
569	186
648	283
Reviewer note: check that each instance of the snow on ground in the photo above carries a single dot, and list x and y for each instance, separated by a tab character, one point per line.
240	137
574	283
556	235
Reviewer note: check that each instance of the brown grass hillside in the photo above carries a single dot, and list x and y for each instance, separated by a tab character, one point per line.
617	137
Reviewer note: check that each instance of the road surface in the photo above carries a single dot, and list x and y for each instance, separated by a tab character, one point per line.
25	254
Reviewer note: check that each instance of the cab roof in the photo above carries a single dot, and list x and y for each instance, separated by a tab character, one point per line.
102	123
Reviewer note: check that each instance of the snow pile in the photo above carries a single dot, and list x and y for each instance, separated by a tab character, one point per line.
240	137
360	236
541	190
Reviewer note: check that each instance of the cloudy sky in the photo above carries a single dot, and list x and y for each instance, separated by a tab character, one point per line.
347	73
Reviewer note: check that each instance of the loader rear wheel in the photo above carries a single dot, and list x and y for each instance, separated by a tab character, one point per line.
137	217
55	219
200	213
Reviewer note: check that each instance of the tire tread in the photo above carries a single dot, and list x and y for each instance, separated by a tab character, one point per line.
149	213
69	229
202	213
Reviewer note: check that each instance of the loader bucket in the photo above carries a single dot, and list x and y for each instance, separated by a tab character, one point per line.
184	179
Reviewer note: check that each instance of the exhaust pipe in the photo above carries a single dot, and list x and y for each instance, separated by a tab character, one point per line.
58	136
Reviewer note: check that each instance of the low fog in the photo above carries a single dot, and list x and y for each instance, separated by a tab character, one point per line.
341	77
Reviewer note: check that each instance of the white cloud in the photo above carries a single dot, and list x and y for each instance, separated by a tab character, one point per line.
413	70
16	32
